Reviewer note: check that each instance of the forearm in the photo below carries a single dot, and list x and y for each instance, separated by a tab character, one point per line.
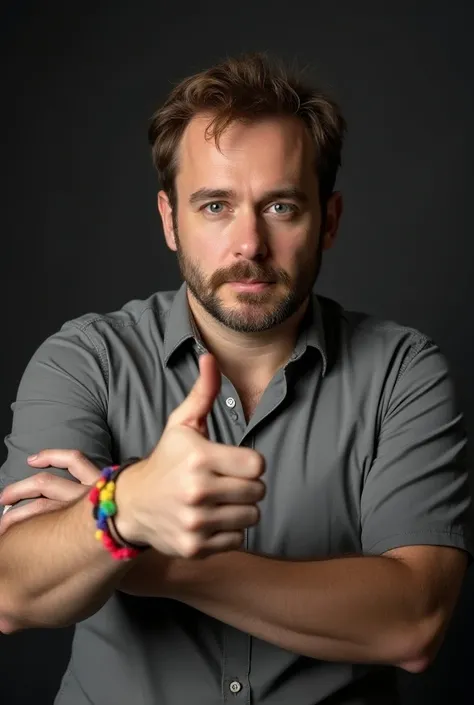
359	609
53	572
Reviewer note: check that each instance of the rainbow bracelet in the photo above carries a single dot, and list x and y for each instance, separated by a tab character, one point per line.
102	496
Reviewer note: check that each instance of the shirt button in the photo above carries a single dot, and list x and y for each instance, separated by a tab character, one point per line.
235	686
230	401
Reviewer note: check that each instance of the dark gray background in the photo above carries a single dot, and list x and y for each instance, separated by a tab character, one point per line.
79	229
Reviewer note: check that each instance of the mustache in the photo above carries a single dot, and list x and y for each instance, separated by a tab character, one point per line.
247	270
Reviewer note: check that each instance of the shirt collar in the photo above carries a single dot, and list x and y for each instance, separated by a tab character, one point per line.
312	333
179	329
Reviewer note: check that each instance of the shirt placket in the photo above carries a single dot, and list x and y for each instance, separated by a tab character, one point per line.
236	644
236	659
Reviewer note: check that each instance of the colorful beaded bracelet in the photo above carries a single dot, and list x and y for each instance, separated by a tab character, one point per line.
102	496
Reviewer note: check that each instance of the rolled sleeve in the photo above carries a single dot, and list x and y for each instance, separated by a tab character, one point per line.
61	403
417	489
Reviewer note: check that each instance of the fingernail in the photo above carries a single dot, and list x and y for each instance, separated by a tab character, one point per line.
32	457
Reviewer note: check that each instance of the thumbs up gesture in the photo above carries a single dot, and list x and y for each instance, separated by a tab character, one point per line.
191	497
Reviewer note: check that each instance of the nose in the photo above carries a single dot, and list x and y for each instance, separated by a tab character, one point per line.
249	239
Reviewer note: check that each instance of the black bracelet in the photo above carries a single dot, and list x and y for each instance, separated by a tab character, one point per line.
127	544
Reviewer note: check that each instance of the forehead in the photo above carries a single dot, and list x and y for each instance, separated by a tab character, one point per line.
255	154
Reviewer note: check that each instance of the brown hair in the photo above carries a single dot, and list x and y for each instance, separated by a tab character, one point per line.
246	88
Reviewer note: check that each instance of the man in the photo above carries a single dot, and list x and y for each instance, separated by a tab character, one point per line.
301	480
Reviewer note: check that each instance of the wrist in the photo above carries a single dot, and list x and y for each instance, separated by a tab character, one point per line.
125	521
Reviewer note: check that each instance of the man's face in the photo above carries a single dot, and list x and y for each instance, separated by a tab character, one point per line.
248	226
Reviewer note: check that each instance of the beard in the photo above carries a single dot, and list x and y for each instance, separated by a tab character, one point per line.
253	312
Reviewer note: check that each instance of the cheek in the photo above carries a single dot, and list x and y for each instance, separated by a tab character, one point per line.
208	255
203	240
294	253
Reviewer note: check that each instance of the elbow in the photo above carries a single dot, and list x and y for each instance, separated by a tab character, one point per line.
422	646
6	626
415	665
9	621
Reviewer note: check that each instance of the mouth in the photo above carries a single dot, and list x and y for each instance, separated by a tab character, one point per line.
250	285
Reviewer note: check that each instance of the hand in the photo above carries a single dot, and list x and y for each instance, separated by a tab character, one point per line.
52	491
191	497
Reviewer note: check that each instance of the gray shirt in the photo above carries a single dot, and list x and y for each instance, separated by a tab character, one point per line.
364	448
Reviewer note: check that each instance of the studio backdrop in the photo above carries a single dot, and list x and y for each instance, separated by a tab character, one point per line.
79	226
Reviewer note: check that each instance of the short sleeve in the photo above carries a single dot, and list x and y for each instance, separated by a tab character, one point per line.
417	488
61	403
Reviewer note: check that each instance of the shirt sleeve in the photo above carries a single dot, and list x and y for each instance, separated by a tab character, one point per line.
417	488
61	403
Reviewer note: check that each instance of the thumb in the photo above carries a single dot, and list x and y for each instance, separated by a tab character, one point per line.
193	411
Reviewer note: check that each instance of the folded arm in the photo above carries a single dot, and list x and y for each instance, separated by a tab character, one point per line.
390	609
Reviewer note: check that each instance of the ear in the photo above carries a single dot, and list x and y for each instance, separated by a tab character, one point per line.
334	211
166	213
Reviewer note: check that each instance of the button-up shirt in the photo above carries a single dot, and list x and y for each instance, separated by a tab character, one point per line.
364	448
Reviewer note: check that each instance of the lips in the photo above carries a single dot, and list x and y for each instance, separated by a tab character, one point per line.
250	285
251	281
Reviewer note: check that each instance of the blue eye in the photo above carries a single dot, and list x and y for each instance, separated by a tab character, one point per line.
211	207
283	208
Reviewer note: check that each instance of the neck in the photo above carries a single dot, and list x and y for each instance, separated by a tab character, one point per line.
252	356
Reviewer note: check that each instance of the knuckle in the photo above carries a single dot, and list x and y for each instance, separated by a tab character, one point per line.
42	478
193	520
190	546
196	459
195	491
76	455
194	496
41	505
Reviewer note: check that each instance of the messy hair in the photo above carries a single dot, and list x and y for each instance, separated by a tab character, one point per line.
245	89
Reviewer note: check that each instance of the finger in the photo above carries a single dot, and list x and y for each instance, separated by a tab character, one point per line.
43	484
206	521
234	461
218	543
238	491
194	409
77	463
231	490
17	514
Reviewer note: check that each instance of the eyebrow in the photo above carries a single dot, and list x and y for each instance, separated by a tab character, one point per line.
209	194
